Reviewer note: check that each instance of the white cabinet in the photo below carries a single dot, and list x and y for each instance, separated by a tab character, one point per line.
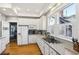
52	52
5	31
47	49
19	35
42	47
2	44
32	39
22	34
43	23
41	43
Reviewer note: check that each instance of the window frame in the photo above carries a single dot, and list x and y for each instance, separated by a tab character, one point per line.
49	19
66	8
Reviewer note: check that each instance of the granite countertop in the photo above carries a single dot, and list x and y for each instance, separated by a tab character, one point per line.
63	46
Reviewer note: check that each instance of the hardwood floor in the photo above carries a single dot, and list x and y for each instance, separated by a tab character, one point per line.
30	49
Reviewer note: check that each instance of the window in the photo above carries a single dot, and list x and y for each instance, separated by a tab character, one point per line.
69	30
69	11
51	21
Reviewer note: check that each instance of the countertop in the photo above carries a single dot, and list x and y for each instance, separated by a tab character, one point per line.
62	47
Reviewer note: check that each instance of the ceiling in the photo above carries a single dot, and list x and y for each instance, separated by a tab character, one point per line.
24	9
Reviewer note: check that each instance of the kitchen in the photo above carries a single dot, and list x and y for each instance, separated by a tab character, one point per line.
50	27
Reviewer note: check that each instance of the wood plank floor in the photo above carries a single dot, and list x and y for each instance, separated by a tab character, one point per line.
14	49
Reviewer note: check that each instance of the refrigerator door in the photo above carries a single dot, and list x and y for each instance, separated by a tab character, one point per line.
22	35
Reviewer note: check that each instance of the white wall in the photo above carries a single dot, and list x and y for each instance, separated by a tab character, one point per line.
4	28
4	24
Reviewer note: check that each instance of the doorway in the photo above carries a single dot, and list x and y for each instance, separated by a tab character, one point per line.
13	32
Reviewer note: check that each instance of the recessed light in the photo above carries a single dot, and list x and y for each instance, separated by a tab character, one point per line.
15	10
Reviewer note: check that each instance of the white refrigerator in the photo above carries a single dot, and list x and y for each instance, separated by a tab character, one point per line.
22	33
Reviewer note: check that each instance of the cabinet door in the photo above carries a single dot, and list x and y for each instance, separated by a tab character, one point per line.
5	31
19	40
32	38
42	46
40	43
47	51
52	52
24	34
0	47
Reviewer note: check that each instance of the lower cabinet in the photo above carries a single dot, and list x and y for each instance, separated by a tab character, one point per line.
41	45
3	43
52	52
47	49
32	38
0	47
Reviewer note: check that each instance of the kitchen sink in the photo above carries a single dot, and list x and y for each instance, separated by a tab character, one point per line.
56	41
52	41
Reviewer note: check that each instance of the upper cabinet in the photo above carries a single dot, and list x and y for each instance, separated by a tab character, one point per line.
4	26
43	23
